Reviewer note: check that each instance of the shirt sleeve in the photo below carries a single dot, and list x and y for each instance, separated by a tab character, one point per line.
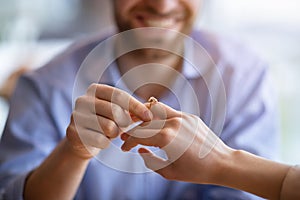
14	189
27	139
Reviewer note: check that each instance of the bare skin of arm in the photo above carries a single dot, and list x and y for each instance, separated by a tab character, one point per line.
203	158
245	171
97	118
58	177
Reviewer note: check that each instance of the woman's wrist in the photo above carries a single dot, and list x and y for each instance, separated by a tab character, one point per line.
220	161
245	171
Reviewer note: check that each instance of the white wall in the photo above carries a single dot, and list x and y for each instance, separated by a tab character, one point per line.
272	28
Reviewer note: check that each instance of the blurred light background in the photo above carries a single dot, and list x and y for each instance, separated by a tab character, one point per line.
31	32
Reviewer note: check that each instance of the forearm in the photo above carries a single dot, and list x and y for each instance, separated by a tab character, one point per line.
291	184
245	171
58	177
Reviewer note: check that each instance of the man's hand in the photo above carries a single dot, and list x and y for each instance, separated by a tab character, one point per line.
99	116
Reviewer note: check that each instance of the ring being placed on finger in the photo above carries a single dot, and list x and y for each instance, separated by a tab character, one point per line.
152	101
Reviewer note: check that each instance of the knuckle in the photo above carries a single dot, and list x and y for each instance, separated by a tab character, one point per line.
120	116
191	117
110	129
175	122
117	97
166	135
85	104
116	110
136	107
80	101
92	88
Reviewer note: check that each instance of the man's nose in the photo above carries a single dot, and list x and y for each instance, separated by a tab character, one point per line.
162	6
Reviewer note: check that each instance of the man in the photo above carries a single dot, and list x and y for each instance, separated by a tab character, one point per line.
45	155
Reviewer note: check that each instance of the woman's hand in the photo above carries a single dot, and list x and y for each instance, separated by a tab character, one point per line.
193	150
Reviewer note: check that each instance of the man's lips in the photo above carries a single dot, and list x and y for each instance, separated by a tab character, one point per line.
162	23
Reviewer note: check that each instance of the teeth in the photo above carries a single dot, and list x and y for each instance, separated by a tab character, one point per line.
160	23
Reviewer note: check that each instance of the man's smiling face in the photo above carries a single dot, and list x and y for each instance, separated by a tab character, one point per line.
178	15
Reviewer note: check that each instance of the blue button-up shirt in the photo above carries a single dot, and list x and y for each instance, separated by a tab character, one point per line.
42	105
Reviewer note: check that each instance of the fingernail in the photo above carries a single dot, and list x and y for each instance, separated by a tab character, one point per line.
124	136
123	149
148	115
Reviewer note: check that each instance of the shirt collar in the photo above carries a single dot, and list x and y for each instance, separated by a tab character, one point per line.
196	63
